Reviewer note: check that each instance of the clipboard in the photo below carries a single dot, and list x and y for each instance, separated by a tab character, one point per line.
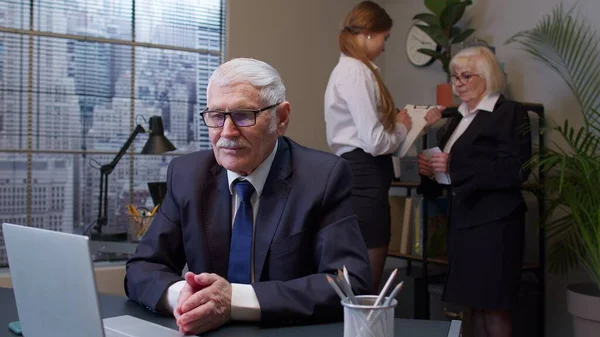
417	115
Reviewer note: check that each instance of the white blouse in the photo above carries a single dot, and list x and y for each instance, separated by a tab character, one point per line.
487	104
352	108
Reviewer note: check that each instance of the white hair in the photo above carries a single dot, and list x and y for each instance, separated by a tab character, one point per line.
486	65
256	73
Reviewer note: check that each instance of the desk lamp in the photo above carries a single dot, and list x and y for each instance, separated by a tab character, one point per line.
157	143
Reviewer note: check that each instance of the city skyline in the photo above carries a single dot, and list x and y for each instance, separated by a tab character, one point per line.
81	101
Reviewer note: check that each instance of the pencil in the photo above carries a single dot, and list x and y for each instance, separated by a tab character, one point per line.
347	277
383	291
135	211
387	285
393	294
346	287
335	287
154	210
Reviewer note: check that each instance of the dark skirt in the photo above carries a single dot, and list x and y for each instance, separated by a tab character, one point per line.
372	177
485	263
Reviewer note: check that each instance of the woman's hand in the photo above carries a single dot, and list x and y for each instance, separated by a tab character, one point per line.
433	115
425	168
402	117
439	162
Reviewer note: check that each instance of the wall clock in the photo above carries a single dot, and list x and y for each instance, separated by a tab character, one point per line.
415	40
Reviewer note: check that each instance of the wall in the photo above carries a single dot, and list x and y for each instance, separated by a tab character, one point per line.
494	21
298	38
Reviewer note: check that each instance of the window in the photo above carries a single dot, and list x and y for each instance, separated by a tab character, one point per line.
76	76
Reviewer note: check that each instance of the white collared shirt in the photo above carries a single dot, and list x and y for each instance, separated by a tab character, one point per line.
244	303
352	111
486	104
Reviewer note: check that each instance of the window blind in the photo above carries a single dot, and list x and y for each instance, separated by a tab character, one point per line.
76	77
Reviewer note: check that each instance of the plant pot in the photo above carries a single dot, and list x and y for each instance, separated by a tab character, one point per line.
444	94
583	302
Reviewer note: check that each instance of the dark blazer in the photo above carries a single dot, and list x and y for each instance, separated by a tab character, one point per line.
305	228
486	164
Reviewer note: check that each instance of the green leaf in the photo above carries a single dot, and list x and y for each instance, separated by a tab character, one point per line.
460	37
569	46
435	6
436	33
429	19
446	65
453	32
452	14
436	55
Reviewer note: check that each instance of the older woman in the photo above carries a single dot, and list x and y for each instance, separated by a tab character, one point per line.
484	150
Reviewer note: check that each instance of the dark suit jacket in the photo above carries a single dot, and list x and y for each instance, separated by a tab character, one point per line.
305	228
486	165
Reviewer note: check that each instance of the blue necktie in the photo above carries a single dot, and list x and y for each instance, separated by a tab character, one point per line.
240	250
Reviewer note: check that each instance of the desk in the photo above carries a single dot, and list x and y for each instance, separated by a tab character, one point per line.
115	306
119	247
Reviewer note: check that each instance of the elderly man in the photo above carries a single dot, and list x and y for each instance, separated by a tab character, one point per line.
259	220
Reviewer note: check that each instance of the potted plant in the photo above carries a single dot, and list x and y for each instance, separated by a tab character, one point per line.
570	47
440	25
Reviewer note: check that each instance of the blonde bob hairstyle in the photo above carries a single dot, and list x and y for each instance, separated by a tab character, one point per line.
484	63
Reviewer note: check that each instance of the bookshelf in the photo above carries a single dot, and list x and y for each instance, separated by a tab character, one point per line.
421	310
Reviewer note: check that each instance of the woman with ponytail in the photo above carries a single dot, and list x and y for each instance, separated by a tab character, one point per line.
363	125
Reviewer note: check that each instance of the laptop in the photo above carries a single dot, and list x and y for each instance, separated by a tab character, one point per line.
55	290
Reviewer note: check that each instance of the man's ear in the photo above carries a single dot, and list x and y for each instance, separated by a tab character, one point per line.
283	117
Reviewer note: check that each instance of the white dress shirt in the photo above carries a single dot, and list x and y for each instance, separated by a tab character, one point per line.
352	111
486	104
244	303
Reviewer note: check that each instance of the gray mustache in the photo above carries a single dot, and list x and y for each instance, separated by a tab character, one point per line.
231	143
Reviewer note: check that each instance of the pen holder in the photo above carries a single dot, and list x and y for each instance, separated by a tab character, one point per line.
365	320
138	225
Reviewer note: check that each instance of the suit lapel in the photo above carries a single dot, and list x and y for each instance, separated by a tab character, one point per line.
216	208
272	203
447	130
479	123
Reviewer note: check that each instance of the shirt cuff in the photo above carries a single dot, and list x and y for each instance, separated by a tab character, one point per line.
173	295
401	131
244	303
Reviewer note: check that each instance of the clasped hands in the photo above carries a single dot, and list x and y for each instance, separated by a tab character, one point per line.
431	117
204	303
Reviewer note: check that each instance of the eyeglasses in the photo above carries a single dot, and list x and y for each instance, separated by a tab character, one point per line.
241	118
463	79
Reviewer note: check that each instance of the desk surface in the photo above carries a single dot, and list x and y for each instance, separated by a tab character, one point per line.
115	306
